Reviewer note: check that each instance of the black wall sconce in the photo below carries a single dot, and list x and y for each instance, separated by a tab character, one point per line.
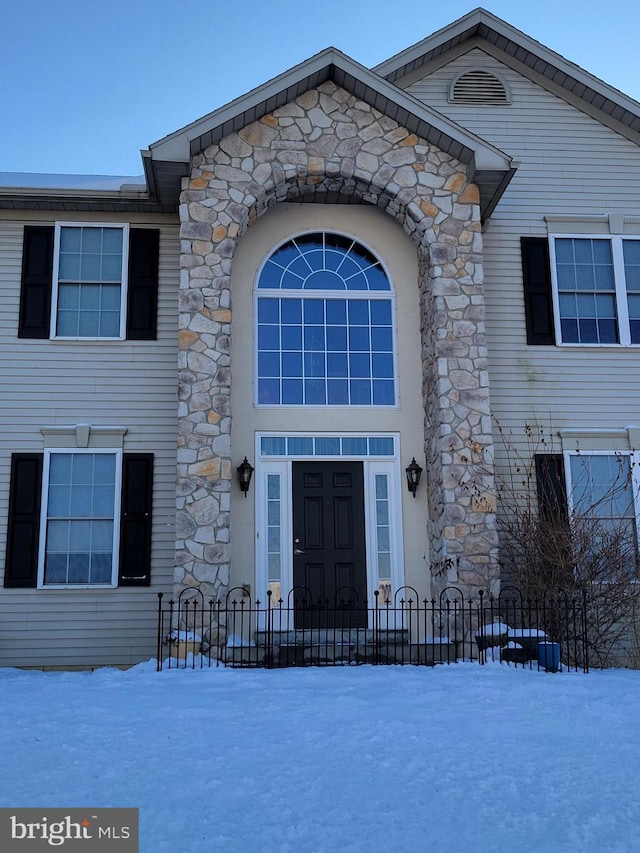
413	472
245	471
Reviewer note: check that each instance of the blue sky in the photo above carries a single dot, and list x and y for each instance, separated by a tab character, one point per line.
87	83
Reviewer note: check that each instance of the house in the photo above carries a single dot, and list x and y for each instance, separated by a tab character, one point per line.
339	272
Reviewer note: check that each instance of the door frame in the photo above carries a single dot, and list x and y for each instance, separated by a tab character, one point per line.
278	465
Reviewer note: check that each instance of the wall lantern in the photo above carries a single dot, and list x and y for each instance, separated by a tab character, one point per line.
413	476
245	470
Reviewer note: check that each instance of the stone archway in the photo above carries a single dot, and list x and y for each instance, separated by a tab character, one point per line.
329	144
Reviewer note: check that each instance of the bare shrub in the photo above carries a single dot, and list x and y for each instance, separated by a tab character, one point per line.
583	546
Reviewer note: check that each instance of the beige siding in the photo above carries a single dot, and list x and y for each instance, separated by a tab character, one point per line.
570	164
123	383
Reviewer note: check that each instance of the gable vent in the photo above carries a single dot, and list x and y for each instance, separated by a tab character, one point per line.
478	87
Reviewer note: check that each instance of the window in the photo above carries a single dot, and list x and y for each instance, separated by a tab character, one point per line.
89	282
79	518
80	505
324	325
604	498
597	289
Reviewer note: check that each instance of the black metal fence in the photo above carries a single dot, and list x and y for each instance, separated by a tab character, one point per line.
400	628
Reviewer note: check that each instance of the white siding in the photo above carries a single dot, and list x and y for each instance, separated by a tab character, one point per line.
570	164
124	383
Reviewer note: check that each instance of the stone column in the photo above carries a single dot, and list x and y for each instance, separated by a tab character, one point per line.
326	141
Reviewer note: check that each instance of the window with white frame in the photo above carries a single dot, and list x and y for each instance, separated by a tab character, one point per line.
604	496
324	310
90	264
382	505
79	534
596	289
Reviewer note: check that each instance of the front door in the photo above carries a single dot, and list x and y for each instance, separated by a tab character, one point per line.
329	554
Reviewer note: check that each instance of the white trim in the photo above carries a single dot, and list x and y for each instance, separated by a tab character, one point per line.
619	282
286	293
390	467
53	322
265	467
48	452
634	467
372	465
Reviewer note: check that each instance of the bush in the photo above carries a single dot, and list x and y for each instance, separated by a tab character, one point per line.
546	546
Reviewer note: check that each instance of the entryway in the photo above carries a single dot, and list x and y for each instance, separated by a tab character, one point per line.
329	545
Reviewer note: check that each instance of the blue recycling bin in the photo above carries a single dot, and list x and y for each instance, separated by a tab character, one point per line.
549	656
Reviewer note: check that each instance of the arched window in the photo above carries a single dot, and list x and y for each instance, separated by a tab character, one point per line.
324	325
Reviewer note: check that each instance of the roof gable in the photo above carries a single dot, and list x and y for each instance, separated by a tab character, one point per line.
529	57
167	160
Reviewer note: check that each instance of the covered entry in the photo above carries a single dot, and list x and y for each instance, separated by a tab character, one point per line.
329	522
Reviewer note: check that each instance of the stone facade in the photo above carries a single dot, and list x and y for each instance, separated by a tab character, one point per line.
326	142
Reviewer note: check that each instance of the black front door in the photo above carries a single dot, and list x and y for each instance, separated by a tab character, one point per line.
329	555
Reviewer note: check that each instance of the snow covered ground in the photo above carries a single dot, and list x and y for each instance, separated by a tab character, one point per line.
463	758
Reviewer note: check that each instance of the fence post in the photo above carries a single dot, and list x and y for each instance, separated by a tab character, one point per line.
160	631
482	654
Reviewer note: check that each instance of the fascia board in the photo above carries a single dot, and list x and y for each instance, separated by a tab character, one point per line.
469	24
176	147
415	51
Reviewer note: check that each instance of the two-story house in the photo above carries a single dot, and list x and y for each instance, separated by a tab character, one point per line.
339	272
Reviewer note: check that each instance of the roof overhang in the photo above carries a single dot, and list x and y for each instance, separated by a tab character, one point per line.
168	160
77	193
527	56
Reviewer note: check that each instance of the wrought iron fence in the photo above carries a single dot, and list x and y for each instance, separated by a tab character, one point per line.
398	628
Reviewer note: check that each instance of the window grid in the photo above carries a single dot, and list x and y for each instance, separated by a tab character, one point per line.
323	261
274	531
383	532
325	352
631	255
586	291
597	289
319	349
80	521
90	275
604	490
281	445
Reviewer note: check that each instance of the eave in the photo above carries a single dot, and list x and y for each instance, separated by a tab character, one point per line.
29	198
526	56
168	160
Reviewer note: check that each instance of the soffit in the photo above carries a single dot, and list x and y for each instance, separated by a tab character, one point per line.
53	200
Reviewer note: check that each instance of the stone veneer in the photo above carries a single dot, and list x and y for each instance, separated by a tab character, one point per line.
326	141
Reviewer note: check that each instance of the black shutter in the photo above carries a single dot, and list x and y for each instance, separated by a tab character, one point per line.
135	521
536	279
552	489
35	290
142	299
23	528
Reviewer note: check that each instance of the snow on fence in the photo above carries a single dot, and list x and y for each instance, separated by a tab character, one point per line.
398	628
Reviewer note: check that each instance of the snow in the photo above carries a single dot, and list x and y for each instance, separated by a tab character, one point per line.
35	180
459	759
526	632
236	642
184	636
496	629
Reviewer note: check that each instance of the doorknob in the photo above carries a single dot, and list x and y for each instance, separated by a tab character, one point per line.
297	552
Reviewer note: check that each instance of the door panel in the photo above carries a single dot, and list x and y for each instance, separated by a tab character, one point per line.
329	555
